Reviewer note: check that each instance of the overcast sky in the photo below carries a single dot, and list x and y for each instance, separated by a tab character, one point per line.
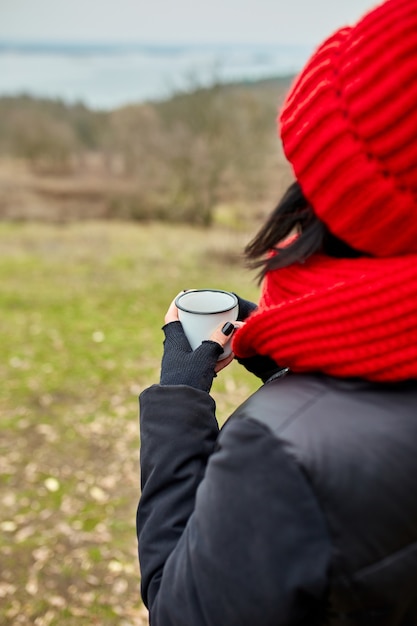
269	21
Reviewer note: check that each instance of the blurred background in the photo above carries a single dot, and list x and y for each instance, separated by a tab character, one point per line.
138	155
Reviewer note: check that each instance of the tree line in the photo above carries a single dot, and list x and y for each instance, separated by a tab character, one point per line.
175	159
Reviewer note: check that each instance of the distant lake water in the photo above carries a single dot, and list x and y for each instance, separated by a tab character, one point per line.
106	76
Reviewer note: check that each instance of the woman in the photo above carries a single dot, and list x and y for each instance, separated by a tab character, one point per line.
302	510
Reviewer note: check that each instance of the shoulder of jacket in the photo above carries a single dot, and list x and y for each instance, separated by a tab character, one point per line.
356	443
281	400
313	400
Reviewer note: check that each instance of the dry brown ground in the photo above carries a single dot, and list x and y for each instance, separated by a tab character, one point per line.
82	305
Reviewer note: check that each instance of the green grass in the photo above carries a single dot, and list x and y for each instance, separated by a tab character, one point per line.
82	307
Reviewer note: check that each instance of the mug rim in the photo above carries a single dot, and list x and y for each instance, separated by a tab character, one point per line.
183	308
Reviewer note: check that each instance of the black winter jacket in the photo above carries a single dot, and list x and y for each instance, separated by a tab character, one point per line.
301	511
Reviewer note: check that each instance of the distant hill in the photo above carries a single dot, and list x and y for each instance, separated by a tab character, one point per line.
106	75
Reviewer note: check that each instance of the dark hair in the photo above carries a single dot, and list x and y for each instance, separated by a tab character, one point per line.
293	214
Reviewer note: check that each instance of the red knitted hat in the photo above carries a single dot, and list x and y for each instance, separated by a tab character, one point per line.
349	129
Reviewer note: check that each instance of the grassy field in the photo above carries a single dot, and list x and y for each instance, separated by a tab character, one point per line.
82	306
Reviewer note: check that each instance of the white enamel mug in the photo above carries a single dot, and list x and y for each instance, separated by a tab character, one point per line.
200	311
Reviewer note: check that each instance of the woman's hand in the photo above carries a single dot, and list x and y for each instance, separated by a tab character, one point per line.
172	314
183	366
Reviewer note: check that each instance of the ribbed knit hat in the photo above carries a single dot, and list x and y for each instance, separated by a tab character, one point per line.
349	130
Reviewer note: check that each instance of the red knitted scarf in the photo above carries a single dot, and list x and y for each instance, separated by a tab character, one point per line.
343	317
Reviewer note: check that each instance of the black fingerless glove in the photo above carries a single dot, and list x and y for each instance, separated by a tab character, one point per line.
262	366
183	366
246	307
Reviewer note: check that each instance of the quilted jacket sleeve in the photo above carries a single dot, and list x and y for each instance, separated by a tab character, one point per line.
229	531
